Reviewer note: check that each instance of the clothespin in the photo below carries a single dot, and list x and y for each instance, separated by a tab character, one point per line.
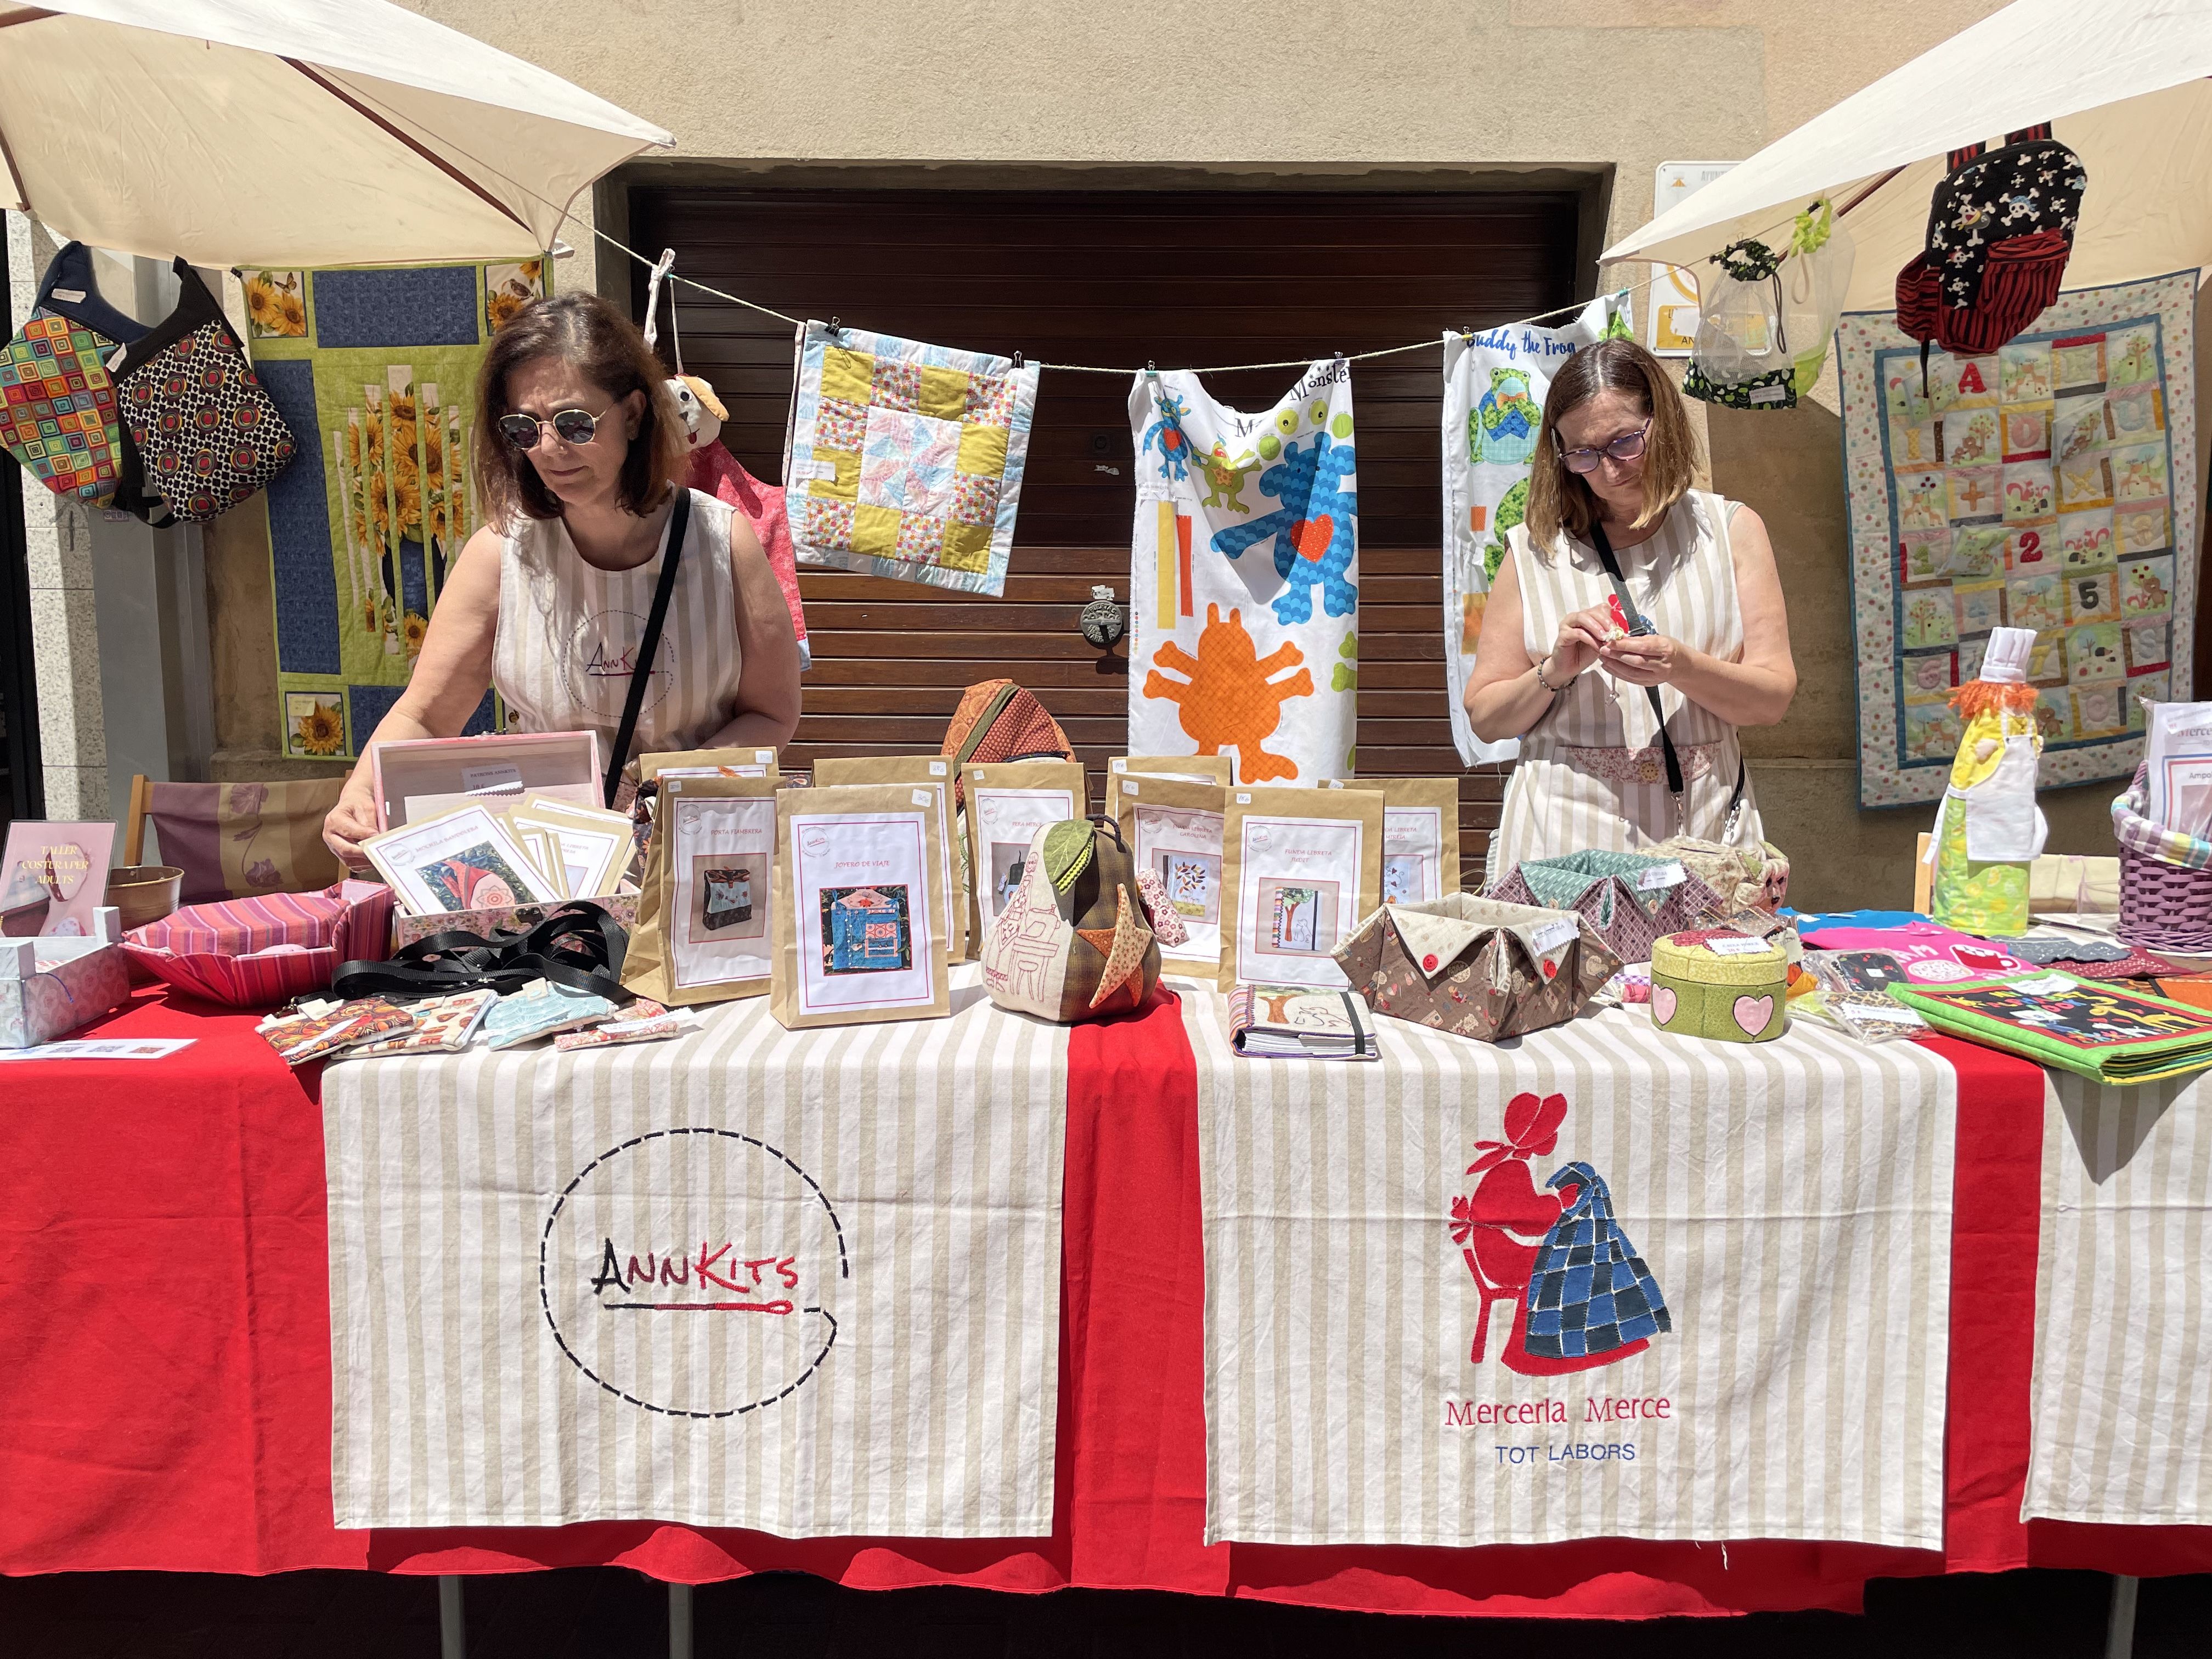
661	268
1017	360
836	327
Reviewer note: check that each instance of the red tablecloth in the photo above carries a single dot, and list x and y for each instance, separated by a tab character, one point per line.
164	1315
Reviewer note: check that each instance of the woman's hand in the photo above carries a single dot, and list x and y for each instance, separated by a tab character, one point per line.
351	822
1580	642
1646	659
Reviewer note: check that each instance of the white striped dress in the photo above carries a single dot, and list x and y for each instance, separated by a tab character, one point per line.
568	632
1590	773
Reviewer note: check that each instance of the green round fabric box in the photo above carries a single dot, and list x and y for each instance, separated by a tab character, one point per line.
1734	993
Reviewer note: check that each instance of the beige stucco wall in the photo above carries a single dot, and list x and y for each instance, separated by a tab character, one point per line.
1429	86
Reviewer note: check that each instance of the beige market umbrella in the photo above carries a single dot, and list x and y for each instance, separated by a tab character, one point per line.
2123	81
291	132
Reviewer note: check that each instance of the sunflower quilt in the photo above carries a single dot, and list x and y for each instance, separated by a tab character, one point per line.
904	459
374	369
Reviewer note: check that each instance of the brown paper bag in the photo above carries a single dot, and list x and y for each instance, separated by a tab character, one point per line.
1301	870
1173	829
1420	836
719	915
936	772
1016	798
860	932
1183	768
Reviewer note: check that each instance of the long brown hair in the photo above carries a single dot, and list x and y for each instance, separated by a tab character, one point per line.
605	346
1558	499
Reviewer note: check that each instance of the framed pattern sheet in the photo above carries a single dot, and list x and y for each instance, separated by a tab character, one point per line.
2050	485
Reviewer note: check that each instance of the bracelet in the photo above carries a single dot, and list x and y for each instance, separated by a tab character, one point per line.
1546	684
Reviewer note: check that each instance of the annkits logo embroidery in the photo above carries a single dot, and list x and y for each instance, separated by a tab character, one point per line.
602	659
692	1272
1582	1295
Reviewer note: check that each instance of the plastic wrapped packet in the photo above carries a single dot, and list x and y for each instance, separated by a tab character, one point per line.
1854	997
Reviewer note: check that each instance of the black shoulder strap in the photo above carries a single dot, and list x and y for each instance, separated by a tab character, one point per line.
640	676
1640	624
580	945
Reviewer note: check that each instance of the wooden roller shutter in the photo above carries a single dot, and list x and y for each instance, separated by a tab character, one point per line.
1120	279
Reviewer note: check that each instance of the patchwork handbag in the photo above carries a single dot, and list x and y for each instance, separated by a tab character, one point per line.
201	434
1077	941
1475	967
57	409
2000	230
1629	898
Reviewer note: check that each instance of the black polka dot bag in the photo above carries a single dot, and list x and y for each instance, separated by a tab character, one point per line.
200	434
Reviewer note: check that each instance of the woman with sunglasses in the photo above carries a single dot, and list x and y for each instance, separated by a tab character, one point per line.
1583	668
578	454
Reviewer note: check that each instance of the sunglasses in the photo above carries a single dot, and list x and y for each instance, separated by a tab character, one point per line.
1626	447
570	426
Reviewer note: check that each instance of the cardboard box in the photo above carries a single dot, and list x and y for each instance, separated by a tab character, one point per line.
424	776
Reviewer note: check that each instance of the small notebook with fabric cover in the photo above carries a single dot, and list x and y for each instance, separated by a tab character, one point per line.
2100	1032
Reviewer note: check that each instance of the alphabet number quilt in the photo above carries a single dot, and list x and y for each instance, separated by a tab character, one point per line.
2050	485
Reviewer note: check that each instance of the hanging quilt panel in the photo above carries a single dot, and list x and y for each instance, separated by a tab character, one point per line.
1244	586
2050	485
374	371
905	460
1495	383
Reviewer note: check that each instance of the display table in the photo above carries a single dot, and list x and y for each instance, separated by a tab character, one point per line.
164	1301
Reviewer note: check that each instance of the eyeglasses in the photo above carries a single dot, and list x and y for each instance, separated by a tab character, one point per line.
570	426
1626	447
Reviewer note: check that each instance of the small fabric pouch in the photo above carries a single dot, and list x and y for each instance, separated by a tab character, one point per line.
253	952
202	434
1629	898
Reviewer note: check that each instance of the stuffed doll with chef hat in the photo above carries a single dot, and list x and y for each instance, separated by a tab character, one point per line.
715	471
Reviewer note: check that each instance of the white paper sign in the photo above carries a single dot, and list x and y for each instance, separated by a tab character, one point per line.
1669	874
1297	899
481	780
865	917
1552	935
1412	854
1736	947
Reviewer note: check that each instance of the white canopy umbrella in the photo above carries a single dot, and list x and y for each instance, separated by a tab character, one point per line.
2121	81
291	132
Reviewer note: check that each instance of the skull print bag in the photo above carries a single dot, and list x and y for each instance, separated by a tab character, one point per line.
200	434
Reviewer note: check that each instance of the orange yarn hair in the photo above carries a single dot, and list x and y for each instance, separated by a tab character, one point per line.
1977	697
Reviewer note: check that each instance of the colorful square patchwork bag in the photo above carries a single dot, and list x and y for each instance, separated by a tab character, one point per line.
57	412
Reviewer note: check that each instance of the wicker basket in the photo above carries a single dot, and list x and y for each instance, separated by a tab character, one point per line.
2165	879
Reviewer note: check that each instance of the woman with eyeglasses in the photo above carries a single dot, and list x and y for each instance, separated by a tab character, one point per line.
579	454
1626	685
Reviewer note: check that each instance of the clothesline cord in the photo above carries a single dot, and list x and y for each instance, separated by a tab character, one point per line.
567	216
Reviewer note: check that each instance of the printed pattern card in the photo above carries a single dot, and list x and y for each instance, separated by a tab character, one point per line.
863	937
1174	831
52	877
1007	805
465	859
1302	870
721	863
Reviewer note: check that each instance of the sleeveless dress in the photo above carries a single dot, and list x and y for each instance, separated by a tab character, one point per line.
1591	774
568	634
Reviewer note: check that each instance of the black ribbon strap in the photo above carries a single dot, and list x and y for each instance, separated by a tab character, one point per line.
1640	625
579	946
641	674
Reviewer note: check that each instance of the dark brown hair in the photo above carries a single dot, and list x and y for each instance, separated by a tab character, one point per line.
606	349
1558	499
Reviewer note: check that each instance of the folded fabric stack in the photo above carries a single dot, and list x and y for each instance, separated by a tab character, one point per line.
373	1028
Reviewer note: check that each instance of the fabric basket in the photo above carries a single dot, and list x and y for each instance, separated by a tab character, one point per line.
1604	889
2166	878
1475	967
258	952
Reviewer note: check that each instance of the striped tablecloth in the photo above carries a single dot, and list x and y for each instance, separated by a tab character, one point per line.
804	1282
2122	1405
1790	1200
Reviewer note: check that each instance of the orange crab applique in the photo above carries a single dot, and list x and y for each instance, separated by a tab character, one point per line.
1228	702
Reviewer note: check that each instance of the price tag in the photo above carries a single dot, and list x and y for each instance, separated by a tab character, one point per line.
1736	947
1670	874
1119	763
937	768
1244	799
2044	985
1863	1013
74	295
765	757
1552	935
924	798
1131	786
